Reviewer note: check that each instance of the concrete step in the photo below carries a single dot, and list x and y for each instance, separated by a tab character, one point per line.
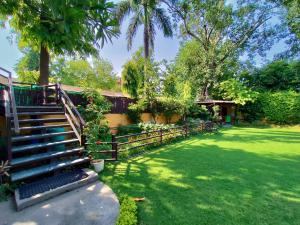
39	191
24	148
44	156
40	136
43	127
36	171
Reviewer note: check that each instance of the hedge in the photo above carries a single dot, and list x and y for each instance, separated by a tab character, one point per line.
281	107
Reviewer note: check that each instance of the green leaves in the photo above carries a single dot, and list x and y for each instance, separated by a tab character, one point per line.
236	91
63	26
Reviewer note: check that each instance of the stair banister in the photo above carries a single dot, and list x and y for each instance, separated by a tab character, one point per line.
12	101
72	114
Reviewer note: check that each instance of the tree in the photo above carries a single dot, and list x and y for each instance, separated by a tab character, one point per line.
133	75
292	36
222	32
97	74
147	13
276	76
28	66
61	26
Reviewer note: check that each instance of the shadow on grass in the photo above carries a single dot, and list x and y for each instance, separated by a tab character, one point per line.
196	183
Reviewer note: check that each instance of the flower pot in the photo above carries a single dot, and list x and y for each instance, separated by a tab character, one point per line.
98	165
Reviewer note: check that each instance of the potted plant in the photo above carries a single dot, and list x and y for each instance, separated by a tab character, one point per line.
98	164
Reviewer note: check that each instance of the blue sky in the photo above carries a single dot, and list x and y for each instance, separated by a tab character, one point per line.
116	53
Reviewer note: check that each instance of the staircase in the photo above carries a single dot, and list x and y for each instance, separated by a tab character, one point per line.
45	145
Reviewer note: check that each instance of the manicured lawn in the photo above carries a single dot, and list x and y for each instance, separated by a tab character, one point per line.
239	176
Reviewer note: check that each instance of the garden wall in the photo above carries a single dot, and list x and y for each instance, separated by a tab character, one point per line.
115	120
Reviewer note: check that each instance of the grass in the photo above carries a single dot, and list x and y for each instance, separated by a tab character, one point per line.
239	176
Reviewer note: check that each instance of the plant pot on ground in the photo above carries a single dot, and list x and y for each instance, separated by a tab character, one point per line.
98	164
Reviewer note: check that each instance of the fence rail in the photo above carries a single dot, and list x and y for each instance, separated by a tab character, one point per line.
129	142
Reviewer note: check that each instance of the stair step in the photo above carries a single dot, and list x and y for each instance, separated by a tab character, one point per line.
39	107
48	120
25	148
40	136
110	160
39	113
43	156
25	174
38	191
43	127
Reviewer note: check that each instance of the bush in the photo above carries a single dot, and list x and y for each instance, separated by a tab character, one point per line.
5	192
128	211
281	107
129	129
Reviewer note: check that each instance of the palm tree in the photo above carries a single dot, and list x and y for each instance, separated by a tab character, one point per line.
147	13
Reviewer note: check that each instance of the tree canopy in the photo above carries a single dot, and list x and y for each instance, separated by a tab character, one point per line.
61	26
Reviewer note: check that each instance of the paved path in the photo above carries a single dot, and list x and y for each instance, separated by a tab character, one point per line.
94	204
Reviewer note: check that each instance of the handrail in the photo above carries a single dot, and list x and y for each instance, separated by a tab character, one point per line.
69	101
76	121
13	101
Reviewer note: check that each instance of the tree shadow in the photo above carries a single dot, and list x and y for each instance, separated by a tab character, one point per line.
196	183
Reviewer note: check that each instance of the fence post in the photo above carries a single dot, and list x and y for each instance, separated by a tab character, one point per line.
186	130
161	135
114	146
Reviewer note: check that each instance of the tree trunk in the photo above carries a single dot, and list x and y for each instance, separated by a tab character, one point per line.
44	66
146	42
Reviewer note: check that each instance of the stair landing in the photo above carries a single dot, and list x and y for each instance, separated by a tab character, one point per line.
33	193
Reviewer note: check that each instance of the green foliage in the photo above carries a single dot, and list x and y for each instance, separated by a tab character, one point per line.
234	90
219	32
200	112
133	75
147	13
135	109
62	26
129	129
97	74
96	129
5	192
169	106
275	76
281	107
128	211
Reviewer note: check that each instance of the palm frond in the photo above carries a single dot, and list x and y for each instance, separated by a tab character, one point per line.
123	9
134	23
163	22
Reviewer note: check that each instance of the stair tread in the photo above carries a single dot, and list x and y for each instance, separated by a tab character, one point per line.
39	113
39	107
43	156
23	148
24	174
39	136
43	120
44	126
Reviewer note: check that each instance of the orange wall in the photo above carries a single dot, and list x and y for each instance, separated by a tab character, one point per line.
115	120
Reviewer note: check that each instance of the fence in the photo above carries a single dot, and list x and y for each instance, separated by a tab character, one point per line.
130	142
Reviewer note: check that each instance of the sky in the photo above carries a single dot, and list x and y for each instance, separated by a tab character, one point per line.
116	52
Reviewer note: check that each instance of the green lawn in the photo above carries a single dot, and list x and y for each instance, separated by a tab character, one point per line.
239	176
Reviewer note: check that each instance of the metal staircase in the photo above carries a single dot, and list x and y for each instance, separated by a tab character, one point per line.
44	140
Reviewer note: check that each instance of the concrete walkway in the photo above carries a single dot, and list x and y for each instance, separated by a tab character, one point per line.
94	204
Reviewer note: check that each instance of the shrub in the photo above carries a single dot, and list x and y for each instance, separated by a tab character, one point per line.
129	129
96	128
5	192
281	107
128	211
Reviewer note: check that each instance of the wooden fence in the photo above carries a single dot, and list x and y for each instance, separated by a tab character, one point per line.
129	142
